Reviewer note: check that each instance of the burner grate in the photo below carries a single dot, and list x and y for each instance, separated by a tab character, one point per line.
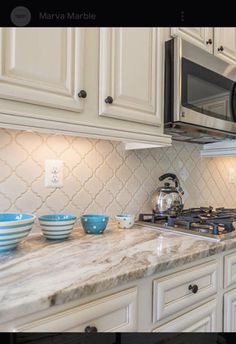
204	219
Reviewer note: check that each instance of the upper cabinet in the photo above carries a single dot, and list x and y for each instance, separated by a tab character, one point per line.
225	43
43	66
96	82
131	74
200	36
220	41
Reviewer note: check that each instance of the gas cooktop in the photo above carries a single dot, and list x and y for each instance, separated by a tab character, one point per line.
216	224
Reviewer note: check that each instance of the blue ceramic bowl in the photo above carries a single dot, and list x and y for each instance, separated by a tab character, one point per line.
94	223
57	226
14	227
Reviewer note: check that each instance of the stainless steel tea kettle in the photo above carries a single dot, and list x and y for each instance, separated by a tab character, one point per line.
167	199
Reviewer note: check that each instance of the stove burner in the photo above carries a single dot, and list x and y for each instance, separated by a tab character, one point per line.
203	219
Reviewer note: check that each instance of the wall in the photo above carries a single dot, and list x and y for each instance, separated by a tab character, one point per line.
99	176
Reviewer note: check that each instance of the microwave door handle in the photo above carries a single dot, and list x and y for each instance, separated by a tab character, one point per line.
232	102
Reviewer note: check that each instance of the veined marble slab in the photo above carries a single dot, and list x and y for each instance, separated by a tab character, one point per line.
41	273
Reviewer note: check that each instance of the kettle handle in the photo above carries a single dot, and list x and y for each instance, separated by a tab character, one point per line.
175	179
172	176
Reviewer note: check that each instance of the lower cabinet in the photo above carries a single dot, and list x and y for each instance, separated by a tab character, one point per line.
230	311
114	313
176	292
201	319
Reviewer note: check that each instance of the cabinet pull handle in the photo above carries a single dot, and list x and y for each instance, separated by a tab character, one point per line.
209	41
194	288
82	94
221	48
109	100
90	329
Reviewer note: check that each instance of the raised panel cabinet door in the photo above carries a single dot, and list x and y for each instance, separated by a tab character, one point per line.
230	311
42	66
200	36
201	319
174	293
131	74
113	313
225	43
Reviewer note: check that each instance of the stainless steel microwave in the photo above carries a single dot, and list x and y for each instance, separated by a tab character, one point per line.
200	94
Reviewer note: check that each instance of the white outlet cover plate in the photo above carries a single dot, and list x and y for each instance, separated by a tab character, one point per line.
53	173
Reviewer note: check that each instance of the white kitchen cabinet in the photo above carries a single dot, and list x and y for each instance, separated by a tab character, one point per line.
220	41
225	43
116	312
43	66
200	36
44	70
131	74
229	269
230	311
201	319
176	292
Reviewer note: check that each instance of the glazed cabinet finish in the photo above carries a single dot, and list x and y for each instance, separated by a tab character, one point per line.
43	66
175	293
131	74
116	312
220	41
57	80
225	38
201	319
200	36
229	269
230	311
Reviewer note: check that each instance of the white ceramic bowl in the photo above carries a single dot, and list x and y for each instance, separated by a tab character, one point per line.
125	220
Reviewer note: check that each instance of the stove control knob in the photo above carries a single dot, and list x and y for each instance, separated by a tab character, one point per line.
194	288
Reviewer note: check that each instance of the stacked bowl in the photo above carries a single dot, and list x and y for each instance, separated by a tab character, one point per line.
57	226
14	227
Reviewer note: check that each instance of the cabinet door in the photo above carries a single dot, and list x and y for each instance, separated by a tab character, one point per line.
131	74
200	36
113	313
171	294
42	66
230	311
225	43
201	319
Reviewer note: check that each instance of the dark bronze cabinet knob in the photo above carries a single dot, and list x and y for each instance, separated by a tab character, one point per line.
209	41
90	329
193	288
109	100
82	94
221	48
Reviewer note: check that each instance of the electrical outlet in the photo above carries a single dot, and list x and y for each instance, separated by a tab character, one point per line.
53	173
231	175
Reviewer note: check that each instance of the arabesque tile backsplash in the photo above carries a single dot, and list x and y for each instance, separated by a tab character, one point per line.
99	176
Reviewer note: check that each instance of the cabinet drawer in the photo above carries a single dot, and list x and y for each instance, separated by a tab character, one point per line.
171	294
229	269
201	319
116	312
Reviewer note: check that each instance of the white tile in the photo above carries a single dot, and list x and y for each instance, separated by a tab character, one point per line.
29	202
93	186
100	176
13	187
124	173
29	171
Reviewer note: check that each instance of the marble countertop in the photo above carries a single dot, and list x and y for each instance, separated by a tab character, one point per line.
41	273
